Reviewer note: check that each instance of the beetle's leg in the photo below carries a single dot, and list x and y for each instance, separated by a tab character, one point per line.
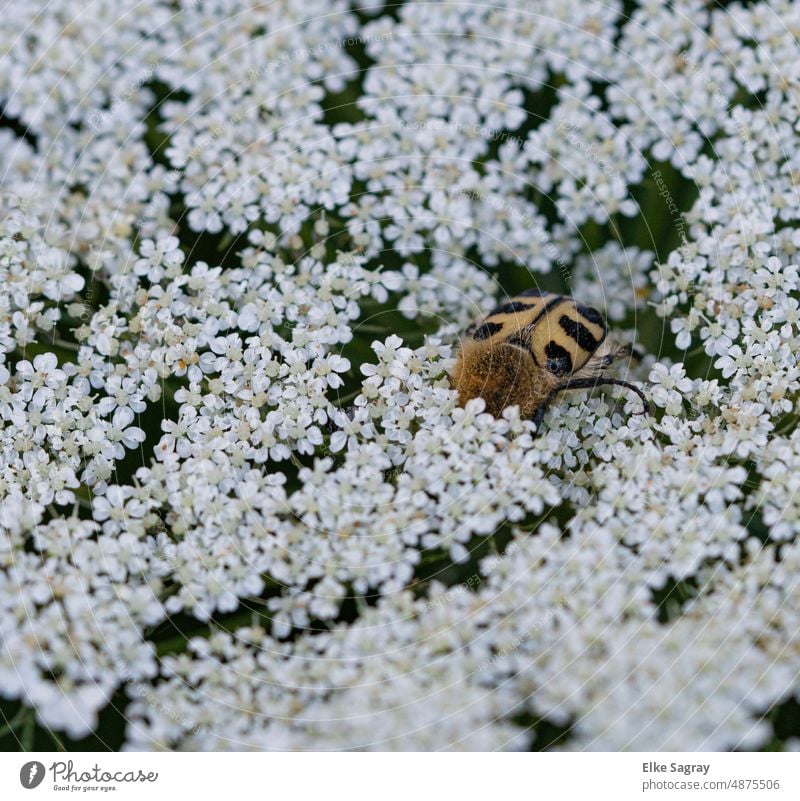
538	415
591	383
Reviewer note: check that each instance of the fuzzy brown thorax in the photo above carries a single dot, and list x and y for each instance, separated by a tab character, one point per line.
503	375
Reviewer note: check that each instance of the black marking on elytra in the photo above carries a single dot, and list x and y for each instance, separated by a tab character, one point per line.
551	305
558	360
579	332
487	330
591	314
533	293
511	307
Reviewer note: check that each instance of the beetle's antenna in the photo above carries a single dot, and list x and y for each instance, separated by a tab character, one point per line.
629	350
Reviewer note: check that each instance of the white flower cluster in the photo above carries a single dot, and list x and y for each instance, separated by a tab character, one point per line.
237	243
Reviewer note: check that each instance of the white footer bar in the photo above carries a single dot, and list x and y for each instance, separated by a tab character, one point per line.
404	777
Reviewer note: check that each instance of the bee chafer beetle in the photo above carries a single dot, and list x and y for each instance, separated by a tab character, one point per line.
532	347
